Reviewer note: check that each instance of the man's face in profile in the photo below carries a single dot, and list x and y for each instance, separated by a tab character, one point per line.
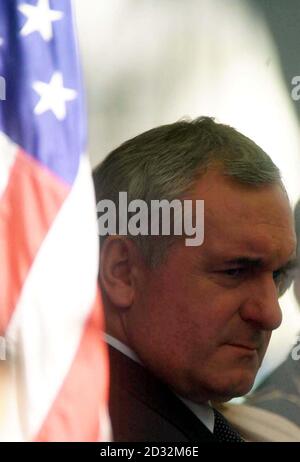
202	319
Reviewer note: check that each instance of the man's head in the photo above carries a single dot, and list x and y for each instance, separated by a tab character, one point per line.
200	318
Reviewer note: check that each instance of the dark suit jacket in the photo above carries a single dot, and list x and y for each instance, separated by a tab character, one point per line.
143	409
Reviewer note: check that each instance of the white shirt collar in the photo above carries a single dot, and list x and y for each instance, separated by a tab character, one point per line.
120	346
203	412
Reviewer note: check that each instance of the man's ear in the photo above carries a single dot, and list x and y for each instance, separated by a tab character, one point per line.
117	268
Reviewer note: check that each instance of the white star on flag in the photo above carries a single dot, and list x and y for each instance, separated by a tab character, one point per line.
1	41
53	96
39	18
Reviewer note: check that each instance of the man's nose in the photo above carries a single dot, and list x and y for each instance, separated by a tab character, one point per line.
262	307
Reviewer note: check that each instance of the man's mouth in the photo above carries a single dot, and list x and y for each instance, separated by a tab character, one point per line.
245	346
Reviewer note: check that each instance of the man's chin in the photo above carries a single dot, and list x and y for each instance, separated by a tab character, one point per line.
219	394
240	385
220	388
233	391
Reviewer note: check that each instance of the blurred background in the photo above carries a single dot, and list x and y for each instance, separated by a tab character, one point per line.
150	62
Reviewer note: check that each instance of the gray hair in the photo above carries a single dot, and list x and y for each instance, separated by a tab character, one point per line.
167	161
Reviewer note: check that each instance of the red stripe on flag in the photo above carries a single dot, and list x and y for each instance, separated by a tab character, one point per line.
74	415
28	207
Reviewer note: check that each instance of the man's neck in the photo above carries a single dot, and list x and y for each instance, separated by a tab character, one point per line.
203	411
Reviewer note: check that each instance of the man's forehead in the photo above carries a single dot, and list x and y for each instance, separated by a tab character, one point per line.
230	199
244	220
256	223
263	244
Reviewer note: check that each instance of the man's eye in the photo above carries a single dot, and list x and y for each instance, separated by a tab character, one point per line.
234	272
282	279
277	275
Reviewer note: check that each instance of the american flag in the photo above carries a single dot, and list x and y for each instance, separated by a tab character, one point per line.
50	312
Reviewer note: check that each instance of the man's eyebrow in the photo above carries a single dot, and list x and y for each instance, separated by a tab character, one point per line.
245	261
256	262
